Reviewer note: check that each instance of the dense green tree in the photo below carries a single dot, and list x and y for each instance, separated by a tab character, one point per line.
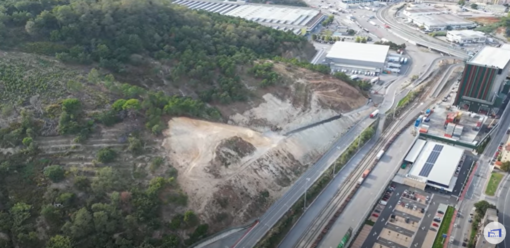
55	173
71	106
80	226
106	155
59	241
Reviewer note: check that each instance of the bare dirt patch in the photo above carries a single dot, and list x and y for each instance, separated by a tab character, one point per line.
485	20
233	172
304	97
226	167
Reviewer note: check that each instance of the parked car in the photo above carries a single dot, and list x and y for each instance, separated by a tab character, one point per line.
375	215
433	229
435	224
440	212
437	220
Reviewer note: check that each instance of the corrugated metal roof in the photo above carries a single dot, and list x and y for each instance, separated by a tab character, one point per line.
415	151
358	51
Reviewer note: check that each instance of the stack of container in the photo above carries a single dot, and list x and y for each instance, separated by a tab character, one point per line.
424	129
458	131
449	130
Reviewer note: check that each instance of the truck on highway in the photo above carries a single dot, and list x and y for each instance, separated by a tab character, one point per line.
379	155
374	114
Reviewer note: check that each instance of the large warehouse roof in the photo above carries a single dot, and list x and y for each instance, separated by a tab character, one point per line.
437	163
286	18
441	20
358	51
491	56
415	151
275	14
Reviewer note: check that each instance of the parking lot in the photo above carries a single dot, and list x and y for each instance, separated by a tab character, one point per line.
405	217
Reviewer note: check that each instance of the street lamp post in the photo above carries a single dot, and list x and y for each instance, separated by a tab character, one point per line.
306	190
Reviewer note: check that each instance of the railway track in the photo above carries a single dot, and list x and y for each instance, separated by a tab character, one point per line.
314	234
327	217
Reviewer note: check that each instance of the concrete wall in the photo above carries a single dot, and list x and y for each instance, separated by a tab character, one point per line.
354	63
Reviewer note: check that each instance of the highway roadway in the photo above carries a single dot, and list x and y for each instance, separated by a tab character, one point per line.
386	15
277	210
357	210
381	176
280	207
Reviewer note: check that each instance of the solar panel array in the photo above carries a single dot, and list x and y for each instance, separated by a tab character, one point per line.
431	160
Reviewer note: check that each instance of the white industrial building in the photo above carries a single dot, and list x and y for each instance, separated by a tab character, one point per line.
434	164
466	36
298	20
441	22
350	55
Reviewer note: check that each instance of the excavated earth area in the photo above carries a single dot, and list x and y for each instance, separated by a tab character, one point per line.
233	172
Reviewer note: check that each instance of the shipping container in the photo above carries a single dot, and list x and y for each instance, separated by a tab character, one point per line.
365	173
374	114
379	155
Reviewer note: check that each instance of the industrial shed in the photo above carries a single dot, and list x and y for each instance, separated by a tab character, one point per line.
350	55
415	151
298	20
436	164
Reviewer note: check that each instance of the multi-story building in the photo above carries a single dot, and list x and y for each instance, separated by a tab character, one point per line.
481	86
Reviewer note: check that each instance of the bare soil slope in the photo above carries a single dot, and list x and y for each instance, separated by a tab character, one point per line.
233	172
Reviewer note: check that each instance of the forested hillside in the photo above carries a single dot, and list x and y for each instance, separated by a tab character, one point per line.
79	159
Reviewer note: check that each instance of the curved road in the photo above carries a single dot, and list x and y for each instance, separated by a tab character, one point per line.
386	15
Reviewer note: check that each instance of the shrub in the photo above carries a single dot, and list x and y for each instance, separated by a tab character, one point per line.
55	173
27	141
106	155
82	183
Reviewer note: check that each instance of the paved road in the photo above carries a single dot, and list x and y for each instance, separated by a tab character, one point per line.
504	209
320	203
276	211
357	209
386	15
476	189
